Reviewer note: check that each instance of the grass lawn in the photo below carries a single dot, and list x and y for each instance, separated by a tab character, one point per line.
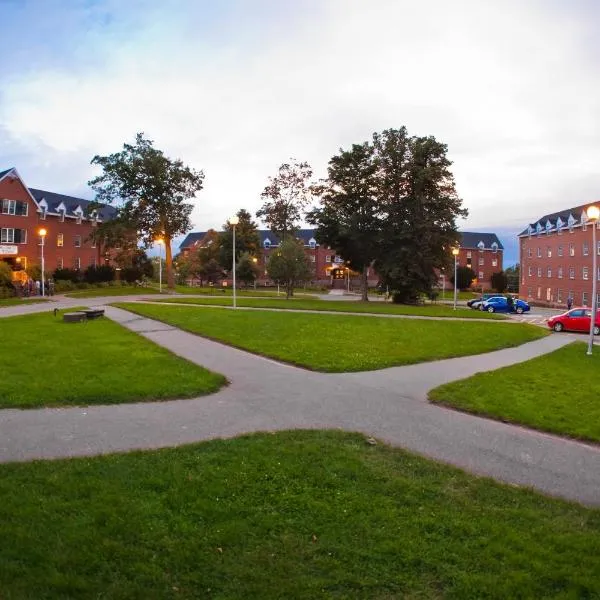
292	515
551	393
20	301
429	310
220	291
128	290
46	362
326	342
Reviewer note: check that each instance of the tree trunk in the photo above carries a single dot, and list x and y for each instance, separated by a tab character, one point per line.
288	290
364	284
169	263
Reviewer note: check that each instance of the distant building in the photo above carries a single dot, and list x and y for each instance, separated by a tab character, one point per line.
483	253
556	258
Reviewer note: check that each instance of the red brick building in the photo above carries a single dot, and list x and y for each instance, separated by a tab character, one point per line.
67	220
556	258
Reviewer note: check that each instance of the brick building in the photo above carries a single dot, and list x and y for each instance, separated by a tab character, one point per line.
556	258
481	252
67	220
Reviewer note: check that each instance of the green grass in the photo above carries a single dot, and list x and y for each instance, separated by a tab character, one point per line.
46	362
20	301
429	310
293	515
556	392
128	290
220	291
326	342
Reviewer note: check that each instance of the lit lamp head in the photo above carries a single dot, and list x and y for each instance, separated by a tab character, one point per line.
593	213
254	259
234	220
455	251
42	232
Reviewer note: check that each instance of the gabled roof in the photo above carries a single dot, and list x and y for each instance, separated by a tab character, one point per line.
5	172
71	203
564	215
302	234
472	239
191	239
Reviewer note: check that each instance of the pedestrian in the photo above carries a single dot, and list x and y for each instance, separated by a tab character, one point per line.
38	285
510	302
569	303
51	287
30	287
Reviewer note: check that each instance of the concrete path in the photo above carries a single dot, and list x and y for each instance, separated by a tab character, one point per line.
265	395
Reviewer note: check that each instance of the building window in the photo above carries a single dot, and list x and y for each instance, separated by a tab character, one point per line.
549	272
62	215
9	207
528	252
539	252
539	293
539	271
597	300
43	214
529	293
571	272
77	241
549	252
598	249
560	251
559	295
481	261
494	262
571	249
312	243
59	240
77	263
339	260
584	298
480	275
59	262
560	272
584	273
313	258
7	235
529	271
586	249
93	240
328	258
78	219
468	254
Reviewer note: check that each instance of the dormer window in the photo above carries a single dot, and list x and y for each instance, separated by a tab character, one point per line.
61	212
481	246
571	222
267	243
548	226
312	243
495	247
538	229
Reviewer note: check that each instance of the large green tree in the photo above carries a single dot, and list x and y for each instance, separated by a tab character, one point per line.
289	266
151	192
420	207
349	216
247	239
286	197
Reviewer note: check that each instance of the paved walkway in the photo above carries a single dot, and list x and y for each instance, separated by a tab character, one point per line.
265	395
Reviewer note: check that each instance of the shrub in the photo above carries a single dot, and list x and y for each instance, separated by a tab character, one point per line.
98	274
67	275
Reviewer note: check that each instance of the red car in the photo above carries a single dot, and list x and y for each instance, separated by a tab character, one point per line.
576	319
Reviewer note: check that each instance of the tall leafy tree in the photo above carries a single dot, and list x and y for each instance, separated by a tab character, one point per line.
420	207
286	197
289	265
247	239
152	193
246	269
349	217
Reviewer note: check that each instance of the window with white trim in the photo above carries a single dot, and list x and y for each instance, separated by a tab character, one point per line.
549	272
585	273
539	252
62	215
586	249
571	272
560	272
328	258
528	252
494	262
77	263
59	262
571	249
530	271
60	240
313	258
549	252
480	275
43	213
584	298
539	271
481	261
560	251
468	254
559	295
77	241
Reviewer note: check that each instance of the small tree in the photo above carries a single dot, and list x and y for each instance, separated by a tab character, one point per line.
289	266
499	281
464	277
5	274
211	271
246	269
286	197
247	239
99	274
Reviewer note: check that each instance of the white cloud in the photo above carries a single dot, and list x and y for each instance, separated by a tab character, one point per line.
510	87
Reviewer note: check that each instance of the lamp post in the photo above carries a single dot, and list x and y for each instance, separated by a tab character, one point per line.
233	222
254	260
160	242
43	233
455	252
593	212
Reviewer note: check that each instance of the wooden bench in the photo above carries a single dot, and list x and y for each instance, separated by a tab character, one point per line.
74	317
93	313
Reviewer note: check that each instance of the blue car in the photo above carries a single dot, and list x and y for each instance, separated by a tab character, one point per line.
500	304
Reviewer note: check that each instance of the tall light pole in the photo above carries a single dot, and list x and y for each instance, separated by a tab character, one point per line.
455	252
593	212
43	233
160	243
233	221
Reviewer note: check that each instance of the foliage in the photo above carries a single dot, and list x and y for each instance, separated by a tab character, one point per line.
286	197
535	393
6	274
418	199
513	276
349	218
336	343
289	265
97	274
90	364
499	281
464	277
152	190
67	275
246	270
247	240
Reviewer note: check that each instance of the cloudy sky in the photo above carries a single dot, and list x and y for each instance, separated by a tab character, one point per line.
236	87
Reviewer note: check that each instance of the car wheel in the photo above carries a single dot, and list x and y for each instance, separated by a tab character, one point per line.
558	327
596	330
490	309
519	310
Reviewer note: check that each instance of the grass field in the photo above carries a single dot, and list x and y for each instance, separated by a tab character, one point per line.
292	515
112	291
551	393
20	301
428	310
334	343
46	362
220	291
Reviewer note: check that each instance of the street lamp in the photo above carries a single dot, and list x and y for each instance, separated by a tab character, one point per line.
160	243
593	212
43	233
233	221
455	252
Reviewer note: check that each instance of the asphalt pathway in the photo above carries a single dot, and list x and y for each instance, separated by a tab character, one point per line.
265	395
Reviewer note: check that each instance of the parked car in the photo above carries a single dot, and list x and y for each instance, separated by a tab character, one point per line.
500	304
476	302
576	319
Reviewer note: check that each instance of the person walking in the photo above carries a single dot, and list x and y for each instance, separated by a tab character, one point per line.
569	303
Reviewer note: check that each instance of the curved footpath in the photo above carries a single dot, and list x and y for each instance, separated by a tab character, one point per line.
265	395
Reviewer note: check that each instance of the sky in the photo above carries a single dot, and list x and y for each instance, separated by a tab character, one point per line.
237	87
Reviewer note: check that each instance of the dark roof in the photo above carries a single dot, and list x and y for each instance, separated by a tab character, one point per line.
3	173
471	239
576	212
303	234
71	203
191	238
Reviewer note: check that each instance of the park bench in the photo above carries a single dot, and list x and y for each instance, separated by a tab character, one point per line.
74	317
93	313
